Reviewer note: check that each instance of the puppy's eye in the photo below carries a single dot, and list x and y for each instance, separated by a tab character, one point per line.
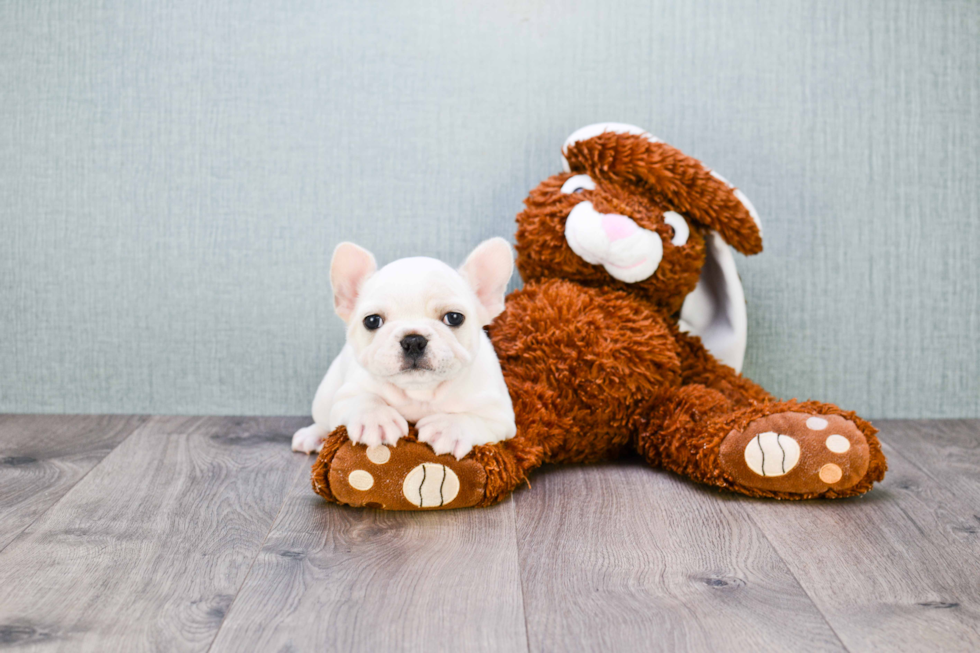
453	319
577	184
681	231
373	322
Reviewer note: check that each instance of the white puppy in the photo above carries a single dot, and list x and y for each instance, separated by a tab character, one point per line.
416	352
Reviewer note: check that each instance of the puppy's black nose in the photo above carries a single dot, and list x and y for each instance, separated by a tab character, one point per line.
414	345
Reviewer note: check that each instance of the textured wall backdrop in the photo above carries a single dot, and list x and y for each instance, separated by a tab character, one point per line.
174	176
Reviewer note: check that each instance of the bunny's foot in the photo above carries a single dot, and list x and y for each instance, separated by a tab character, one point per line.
775	449
795	454
404	476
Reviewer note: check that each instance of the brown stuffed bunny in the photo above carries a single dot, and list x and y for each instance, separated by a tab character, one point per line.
619	341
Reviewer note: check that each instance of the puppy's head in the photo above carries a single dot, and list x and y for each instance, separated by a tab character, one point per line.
416	322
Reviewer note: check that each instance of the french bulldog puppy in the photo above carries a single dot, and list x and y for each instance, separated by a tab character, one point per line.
416	352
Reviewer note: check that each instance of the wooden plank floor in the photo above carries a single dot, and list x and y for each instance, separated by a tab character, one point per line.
202	534
41	458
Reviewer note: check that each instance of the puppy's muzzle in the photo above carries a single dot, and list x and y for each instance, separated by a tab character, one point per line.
413	346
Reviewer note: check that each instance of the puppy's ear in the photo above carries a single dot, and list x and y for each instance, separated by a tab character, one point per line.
349	269
671	176
488	269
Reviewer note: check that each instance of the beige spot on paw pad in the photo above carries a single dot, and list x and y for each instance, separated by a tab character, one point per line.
360	480
772	454
378	454
838	443
816	423
830	473
430	485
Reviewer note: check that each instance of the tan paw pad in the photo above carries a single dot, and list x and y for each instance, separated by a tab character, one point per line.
795	453
405	476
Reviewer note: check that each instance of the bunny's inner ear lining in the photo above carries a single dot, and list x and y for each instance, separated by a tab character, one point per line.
715	310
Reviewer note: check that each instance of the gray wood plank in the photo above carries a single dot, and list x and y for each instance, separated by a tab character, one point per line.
333	578
620	557
149	549
947	450
43	456
894	570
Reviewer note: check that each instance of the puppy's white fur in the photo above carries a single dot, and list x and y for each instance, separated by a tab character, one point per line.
455	393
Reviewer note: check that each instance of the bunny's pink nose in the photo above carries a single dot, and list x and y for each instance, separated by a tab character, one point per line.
618	226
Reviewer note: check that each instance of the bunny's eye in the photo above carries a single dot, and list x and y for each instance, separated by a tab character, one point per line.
577	184
681	231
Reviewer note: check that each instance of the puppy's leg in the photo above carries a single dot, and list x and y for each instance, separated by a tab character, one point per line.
372	422
458	433
309	439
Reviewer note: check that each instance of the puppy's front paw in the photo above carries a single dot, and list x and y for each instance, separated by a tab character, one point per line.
309	439
379	425
455	434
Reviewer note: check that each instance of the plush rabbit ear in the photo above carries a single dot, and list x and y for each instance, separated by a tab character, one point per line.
626	152
715	309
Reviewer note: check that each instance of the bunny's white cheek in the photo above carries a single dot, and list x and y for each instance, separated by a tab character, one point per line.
628	252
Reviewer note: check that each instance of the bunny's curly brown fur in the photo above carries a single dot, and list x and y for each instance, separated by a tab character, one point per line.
597	367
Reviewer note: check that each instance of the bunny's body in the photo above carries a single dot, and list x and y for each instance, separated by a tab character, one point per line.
596	360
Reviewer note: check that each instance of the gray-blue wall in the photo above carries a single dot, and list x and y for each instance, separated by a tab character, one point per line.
174	176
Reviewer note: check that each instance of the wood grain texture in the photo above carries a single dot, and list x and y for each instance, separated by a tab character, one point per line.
894	570
203	532
43	456
333	578
621	557
947	450
147	551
